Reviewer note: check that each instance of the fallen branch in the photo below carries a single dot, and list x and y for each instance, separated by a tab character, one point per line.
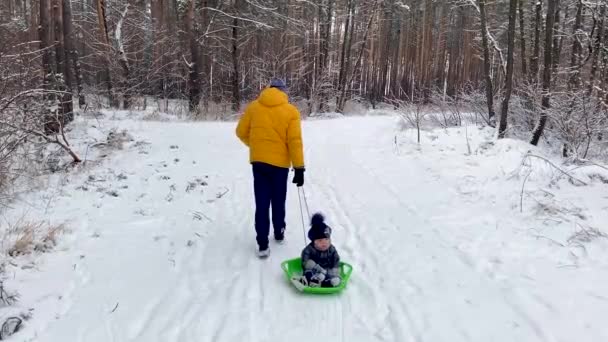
115	307
556	167
521	195
53	140
550	240
221	194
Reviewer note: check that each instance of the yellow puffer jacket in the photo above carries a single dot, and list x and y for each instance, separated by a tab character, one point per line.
271	128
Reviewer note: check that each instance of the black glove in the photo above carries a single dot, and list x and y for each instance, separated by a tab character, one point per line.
298	178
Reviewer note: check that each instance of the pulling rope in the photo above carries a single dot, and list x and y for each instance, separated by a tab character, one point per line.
302	193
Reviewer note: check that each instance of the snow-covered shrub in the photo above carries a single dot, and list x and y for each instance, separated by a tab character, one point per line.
413	115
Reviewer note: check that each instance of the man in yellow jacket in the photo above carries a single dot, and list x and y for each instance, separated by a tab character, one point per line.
271	128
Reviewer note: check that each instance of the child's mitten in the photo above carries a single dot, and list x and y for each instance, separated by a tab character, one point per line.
335	281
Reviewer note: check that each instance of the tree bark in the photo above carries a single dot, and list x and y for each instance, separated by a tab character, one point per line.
72	53
486	62
345	55
103	30
236	92
123	60
596	50
44	32
66	113
194	67
556	39
548	68
522	36
325	18
577	48
502	129
535	58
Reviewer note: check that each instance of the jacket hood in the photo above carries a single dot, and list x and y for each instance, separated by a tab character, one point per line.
272	97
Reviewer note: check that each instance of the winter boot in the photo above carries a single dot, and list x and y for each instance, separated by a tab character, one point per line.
279	236
263	253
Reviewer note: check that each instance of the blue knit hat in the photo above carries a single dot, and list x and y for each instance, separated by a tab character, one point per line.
318	228
278	83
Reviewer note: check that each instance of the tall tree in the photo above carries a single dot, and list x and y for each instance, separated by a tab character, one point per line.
236	91
72	56
345	54
62	83
194	65
577	47
44	31
597	44
535	58
522	38
548	68
123	60
502	128
326	9
486	60
105	41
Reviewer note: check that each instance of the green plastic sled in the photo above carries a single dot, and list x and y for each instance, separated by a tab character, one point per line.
293	268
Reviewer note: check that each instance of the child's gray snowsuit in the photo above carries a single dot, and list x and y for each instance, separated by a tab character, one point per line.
321	268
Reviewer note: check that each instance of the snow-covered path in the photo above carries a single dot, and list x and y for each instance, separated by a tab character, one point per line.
438	253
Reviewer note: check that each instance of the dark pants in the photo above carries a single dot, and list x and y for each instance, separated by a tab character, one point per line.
270	188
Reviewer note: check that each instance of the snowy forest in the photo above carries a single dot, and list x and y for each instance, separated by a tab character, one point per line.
526	66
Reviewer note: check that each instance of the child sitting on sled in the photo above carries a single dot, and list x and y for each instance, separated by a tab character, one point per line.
320	259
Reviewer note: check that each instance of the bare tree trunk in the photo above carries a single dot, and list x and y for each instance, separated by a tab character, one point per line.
325	17
576	48
522	36
123	60
486	62
194	67
44	31
557	40
72	52
596	50
103	28
535	58
205	81
236	92
548	67
384	52
502	128
63	69
345	55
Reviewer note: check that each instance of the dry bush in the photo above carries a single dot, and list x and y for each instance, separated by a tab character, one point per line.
586	235
25	237
413	114
116	140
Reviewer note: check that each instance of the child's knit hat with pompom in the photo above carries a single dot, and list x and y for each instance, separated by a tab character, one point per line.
318	228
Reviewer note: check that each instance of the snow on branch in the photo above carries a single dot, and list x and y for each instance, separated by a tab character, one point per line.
239	18
53	140
4	104
495	45
530	155
118	32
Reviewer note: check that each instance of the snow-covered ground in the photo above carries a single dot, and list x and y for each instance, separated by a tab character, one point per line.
446	246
